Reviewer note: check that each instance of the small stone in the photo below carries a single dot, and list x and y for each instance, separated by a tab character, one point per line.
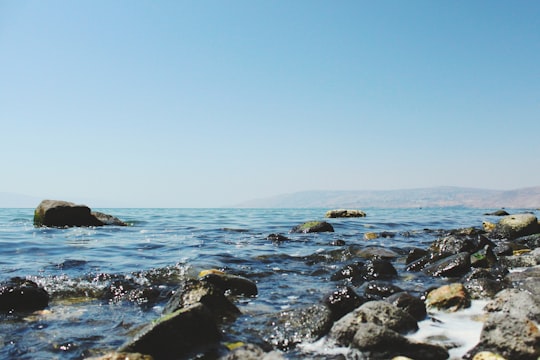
487	355
451	297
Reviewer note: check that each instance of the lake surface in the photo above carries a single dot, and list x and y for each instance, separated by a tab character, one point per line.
106	282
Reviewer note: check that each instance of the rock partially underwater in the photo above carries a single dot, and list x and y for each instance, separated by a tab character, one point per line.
57	213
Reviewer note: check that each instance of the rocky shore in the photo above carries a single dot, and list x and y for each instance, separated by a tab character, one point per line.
496	263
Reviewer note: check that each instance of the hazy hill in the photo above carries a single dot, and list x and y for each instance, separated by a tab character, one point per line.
424	197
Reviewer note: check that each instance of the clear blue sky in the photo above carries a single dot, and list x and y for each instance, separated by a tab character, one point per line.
210	103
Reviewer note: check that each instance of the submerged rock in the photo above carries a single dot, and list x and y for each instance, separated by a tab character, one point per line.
56	213
22	295
344	213
175	335
313	226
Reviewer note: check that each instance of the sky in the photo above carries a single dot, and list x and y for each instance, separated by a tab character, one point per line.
211	103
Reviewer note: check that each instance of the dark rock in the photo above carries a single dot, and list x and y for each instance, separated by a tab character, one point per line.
530	241
525	258
378	290
452	244
379	269
527	280
343	213
338	242
483	258
415	254
371	252
411	304
294	326
514	226
352	272
498	213
277	238
450	297
451	266
342	301
313	226
231	284
482	288
195	291
55	213
503	249
174	335
510	336
377	312
22	295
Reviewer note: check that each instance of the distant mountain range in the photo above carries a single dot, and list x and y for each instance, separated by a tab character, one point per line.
406	198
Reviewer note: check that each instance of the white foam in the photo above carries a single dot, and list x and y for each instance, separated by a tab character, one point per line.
459	331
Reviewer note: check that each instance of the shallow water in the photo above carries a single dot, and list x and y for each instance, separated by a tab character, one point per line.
95	275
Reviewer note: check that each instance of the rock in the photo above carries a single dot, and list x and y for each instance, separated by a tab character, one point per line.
411	304
176	334
516	303
313	226
193	292
342	301
294	326
488	226
122	356
487	355
387	343
371	252
497	213
370	236
450	297
231	284
483	288
55	213
510	336
525	258
530	241
277	238
379	313
415	254
252	352
514	226
343	213
452	244
527	280
22	295
378	290
370	270
451	266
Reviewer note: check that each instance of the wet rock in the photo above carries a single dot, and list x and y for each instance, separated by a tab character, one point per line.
252	352
342	301
230	284
378	290
530	241
277	238
510	336
453	244
411	304
503	249
175	335
312	227
514	226
371	252
415	254
450	297
498	213
376	312
352	272
292	327
451	266
386	343
193	292
483	288
487	355
524	258
344	213
56	213
483	258
370	270
19	294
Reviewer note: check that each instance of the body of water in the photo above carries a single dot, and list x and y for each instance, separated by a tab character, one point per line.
107	282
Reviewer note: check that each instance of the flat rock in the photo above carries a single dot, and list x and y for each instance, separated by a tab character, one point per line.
344	213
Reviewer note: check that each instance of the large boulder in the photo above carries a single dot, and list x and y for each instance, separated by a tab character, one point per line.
344	213
513	226
57	213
